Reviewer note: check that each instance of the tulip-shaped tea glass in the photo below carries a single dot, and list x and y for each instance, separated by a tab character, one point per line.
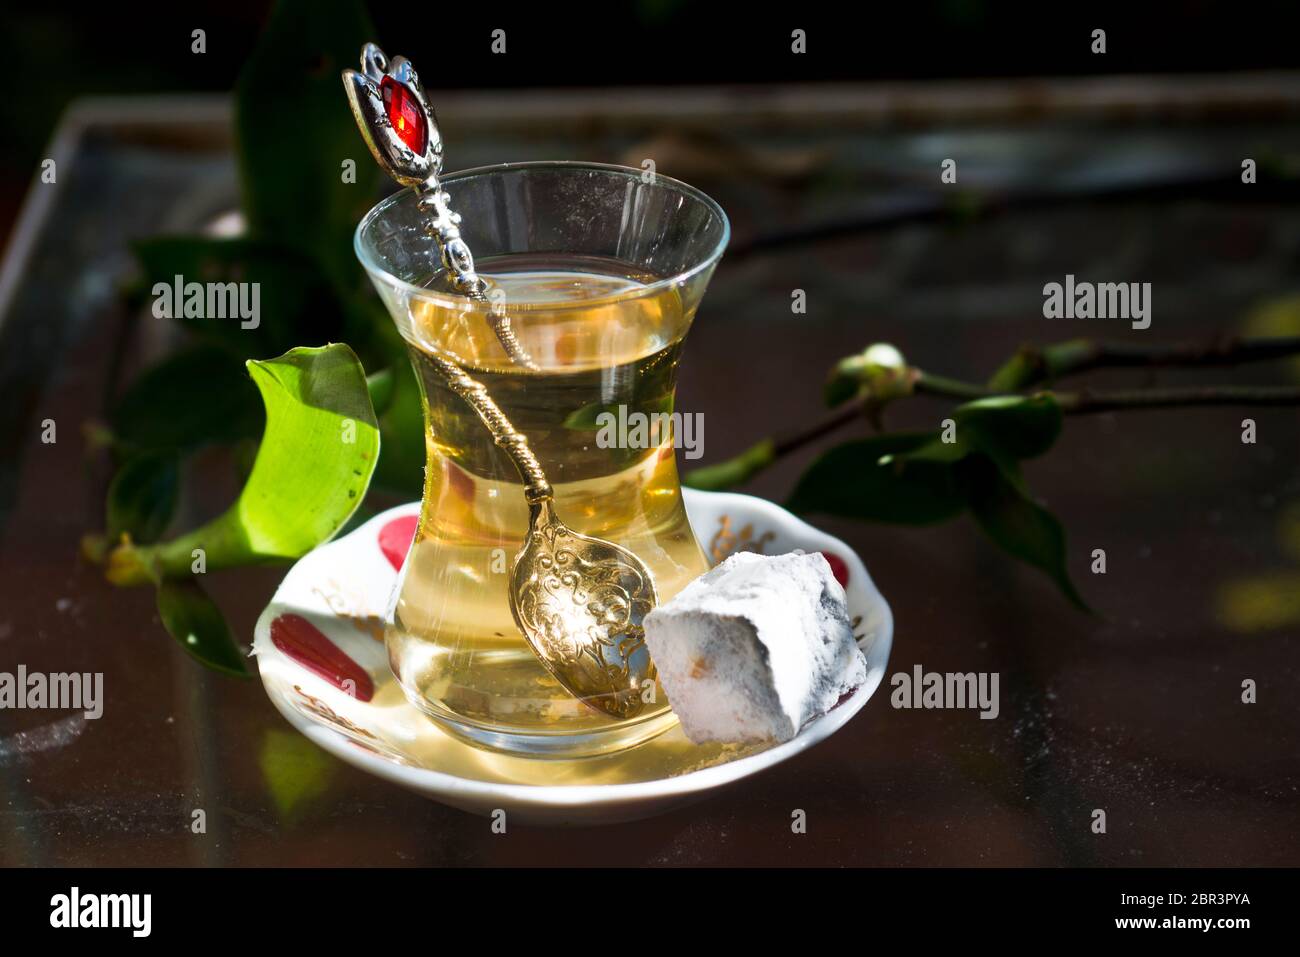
594	275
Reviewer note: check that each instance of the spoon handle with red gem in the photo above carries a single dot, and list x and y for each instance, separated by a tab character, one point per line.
594	647
402	133
443	226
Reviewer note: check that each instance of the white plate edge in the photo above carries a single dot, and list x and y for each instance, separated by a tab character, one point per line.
427	780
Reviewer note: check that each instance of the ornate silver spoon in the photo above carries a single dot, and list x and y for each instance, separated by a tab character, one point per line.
579	601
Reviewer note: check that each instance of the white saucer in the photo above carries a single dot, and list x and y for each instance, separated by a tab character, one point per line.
342	588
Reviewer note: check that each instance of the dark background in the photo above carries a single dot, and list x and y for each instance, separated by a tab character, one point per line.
1136	709
54	52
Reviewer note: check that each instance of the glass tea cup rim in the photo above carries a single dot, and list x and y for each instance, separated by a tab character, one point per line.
368	260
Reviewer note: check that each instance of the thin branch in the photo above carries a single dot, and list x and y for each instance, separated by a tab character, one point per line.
926	383
1222	352
1034	364
894	211
850	412
1085	401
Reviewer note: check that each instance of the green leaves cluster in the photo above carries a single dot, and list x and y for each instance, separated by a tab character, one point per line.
306	179
971	465
303	425
311	472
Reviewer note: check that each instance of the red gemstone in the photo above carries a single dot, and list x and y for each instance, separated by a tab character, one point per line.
405	114
395	539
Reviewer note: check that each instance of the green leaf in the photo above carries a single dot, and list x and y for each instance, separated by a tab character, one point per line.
1010	426
1032	365
296	772
734	471
918	479
312	471
1017	524
869	479
588	417
295	131
402	427
197	396
142	497
193	620
1005	428
380	387
1020	371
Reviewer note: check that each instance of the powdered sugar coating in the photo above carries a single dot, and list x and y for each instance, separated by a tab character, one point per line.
755	648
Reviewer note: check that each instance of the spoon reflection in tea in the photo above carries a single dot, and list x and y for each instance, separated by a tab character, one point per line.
578	600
